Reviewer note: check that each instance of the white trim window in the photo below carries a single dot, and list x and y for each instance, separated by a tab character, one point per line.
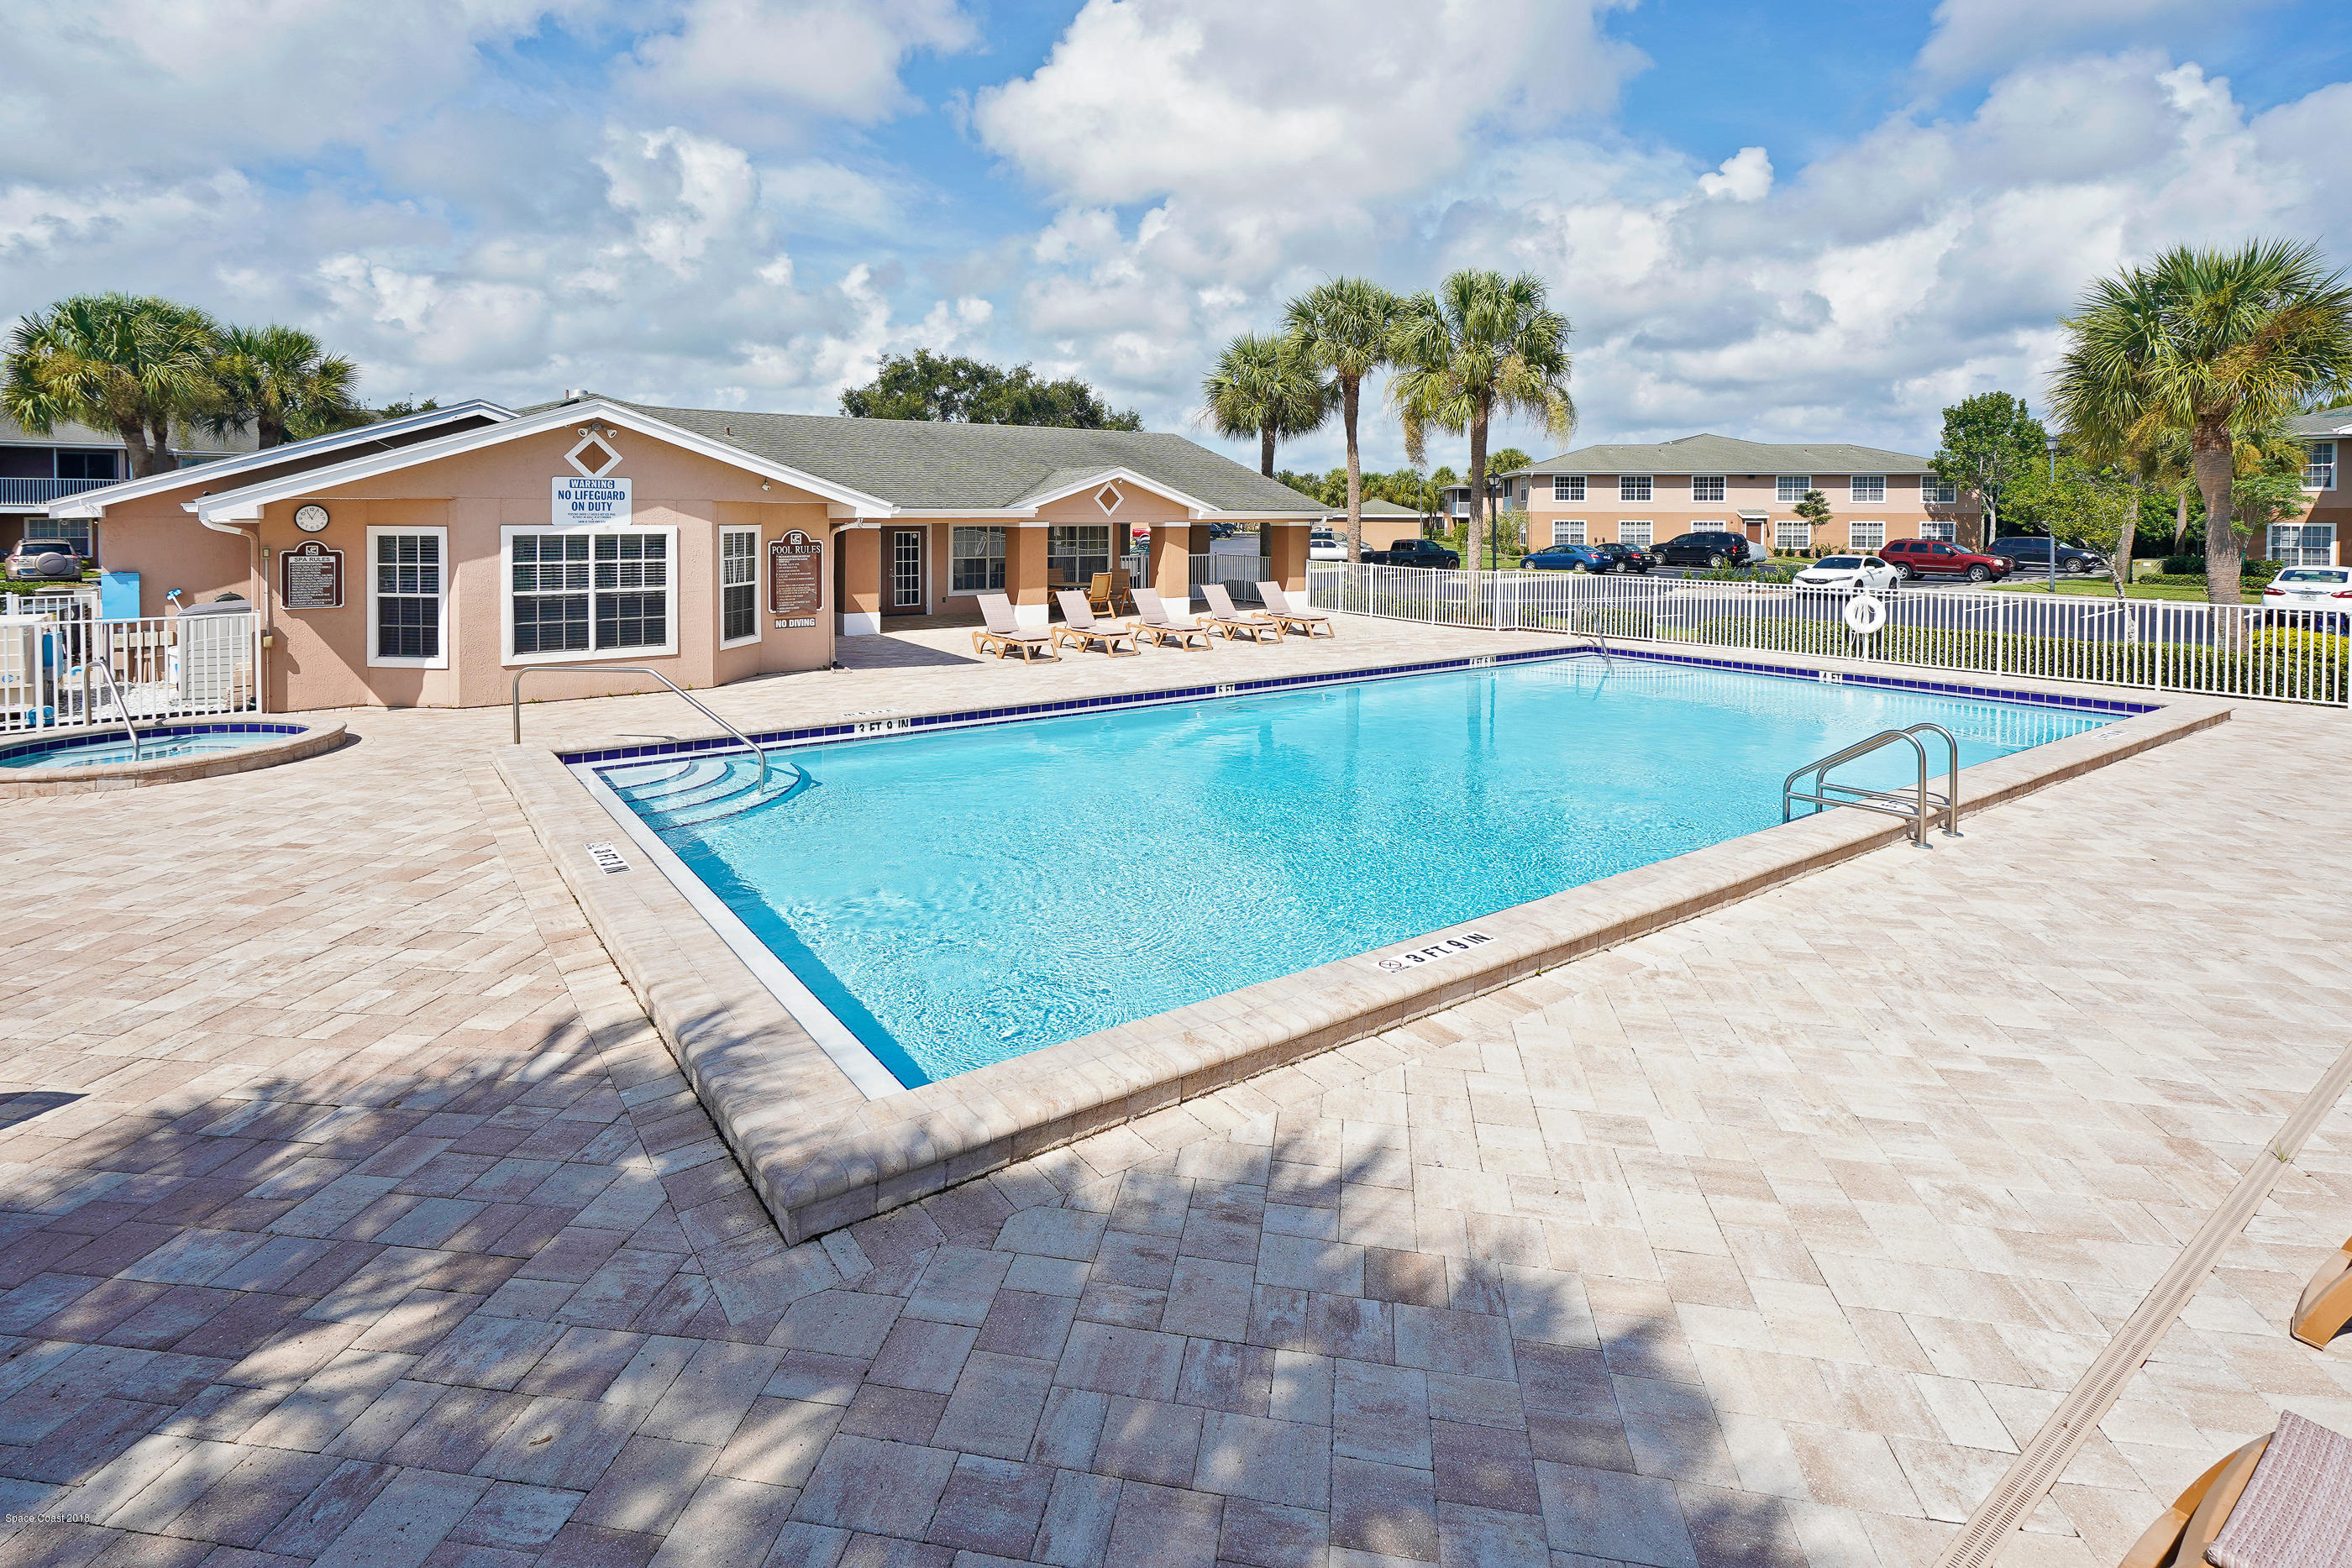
1790	488
739	586
1870	488
1634	531
2303	544
576	594
1866	536
1568	530
1633	487
1076	551
1940	529
408	598
79	532
1792	533
1568	487
1706	486
2319	465
1935	492
975	559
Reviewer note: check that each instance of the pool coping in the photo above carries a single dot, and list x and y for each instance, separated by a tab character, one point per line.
822	1154
295	742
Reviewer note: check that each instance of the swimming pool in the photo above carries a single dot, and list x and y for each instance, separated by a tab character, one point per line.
112	748
954	899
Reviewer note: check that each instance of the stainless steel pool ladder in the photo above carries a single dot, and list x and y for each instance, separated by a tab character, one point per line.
1918	806
106	672
637	670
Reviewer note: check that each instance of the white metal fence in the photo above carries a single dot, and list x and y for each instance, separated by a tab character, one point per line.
1239	573
54	668
2250	650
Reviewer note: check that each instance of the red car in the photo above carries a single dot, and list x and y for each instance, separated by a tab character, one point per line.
1935	558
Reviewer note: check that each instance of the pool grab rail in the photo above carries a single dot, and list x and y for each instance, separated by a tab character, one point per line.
637	670
121	707
1919	806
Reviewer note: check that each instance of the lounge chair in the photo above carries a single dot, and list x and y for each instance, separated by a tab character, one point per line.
1080	628
2326	1303
1108	593
1229	623
1291	617
1004	634
2278	1502
1153	624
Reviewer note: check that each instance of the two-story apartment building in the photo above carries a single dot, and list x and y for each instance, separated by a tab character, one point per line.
36	469
1649	494
2318	539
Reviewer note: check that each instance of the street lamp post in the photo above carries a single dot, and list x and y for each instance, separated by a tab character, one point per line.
2050	527
1494	487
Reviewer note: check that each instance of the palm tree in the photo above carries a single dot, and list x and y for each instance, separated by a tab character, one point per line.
1264	386
1344	327
279	381
131	363
1483	344
2211	344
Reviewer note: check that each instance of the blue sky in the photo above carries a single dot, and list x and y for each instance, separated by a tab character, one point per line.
1823	220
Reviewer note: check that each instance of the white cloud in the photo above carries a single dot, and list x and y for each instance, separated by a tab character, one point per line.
1745	176
797	59
680	191
1976	37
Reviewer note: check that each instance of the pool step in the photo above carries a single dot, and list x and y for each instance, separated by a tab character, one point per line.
704	788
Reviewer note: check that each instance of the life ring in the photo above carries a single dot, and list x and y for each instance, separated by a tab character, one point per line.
1864	613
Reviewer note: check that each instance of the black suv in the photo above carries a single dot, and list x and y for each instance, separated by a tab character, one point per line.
2032	554
1704	549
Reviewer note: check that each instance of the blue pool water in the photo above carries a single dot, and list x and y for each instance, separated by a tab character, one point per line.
960	898
103	749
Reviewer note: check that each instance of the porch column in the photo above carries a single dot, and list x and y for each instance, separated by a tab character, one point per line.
861	581
1286	559
1172	565
1024	576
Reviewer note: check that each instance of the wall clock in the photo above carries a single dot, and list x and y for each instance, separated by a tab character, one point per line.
310	519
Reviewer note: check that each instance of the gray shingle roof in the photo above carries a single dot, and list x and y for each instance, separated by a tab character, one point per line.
2326	422
922	466
1730	454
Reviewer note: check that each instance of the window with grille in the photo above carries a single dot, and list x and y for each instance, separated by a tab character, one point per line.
575	592
1792	533
1568	487
1790	488
1935	492
1568	530
739	584
1633	487
1633	532
407	584
1937	529
976	560
2303	544
1866	487
1075	552
1865	536
1706	486
2319	466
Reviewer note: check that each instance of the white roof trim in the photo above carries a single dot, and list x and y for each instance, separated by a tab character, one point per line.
1123	475
234	505
93	503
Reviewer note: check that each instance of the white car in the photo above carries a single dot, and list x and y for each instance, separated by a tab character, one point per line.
1325	545
1849	571
2327	588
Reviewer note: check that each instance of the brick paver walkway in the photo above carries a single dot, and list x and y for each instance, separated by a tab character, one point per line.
350	1213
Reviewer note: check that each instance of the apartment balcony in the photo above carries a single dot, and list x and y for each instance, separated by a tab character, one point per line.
23	494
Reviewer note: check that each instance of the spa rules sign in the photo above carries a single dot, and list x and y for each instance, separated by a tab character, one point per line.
580	499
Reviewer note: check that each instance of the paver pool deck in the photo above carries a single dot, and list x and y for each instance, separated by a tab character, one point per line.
351	1212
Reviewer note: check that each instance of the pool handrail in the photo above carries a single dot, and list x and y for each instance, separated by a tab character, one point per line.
106	672
637	670
1889	802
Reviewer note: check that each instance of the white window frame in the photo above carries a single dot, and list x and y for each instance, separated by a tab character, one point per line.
2306	552
1709	488
1568	487
1943	530
2315	464
507	654
1568	531
1646	526
1785	496
1870	489
1633	487
1854	537
1110	549
725	530
1002	558
1792	533
1935	492
449	584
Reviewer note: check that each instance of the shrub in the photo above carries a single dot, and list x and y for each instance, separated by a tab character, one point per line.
2184	566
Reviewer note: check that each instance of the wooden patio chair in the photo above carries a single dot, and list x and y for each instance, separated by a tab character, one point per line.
1108	595
1005	634
2325	1305
2280	1502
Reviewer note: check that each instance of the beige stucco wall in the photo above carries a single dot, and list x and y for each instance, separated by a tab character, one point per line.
1670	511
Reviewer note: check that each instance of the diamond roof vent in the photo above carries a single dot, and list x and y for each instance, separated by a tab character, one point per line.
594	457
1108	498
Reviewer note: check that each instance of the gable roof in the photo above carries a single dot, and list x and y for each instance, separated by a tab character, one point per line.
1710	454
2326	422
198	444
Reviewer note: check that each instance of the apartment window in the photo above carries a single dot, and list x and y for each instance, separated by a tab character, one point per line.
1935	492
571	592
1075	552
1790	488
1706	486
1568	487
1568	530
1866	488
1865	536
407	597
2303	544
1792	533
1633	487
2319	466
79	532
84	464
1636	531
976	560
738	585
1937	529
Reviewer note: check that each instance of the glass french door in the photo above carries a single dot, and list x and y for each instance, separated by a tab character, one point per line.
906	571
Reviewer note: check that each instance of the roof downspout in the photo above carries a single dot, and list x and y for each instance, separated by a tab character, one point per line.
269	606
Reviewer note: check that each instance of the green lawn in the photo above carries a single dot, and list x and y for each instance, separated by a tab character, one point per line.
2100	588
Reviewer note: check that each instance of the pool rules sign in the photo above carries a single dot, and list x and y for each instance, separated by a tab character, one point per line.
795	579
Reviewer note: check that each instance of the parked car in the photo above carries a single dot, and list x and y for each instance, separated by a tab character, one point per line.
1940	557
2312	588
1716	549
1849	571
1628	558
1570	558
2033	555
1414	552
1325	545
44	561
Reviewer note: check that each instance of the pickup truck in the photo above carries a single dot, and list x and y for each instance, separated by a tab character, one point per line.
1414	552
